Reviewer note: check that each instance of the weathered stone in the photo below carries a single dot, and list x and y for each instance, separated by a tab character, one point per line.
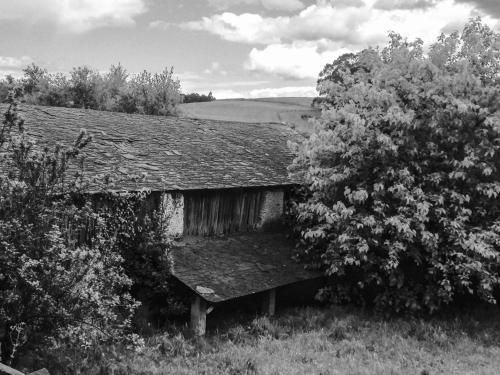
189	154
272	207
40	372
204	290
6	370
238	265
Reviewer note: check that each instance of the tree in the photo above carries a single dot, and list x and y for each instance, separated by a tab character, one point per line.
195	97
61	275
156	94
83	87
401	181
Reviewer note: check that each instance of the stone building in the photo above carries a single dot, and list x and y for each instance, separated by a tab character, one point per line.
222	185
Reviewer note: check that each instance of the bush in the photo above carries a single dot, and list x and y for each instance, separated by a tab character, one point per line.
71	264
400	202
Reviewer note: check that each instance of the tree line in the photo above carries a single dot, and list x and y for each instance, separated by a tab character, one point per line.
115	90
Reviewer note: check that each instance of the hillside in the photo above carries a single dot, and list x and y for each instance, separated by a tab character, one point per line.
292	111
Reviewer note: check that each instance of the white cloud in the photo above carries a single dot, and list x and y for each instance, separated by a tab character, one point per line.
299	46
246	27
285	5
13	65
354	24
404	4
215	68
294	91
297	60
321	20
76	16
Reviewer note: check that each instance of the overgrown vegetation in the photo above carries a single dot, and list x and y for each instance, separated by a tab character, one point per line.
400	204
64	284
326	341
116	90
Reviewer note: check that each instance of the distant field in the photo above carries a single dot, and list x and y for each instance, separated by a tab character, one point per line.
292	111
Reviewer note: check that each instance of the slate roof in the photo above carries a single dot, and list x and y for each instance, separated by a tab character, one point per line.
175	153
219	269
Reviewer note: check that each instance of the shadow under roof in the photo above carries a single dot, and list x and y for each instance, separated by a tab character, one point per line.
173	153
220	269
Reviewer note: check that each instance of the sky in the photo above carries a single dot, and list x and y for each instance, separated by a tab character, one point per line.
234	48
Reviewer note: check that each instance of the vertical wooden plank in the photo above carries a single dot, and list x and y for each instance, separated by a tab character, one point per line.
198	316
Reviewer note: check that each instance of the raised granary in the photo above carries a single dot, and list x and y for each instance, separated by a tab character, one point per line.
221	186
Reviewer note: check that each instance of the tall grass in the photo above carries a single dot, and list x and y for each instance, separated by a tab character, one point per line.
320	341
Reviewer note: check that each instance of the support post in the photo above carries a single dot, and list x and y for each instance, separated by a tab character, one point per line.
269	302
198	316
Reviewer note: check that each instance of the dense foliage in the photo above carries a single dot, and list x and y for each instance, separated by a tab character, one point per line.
116	90
66	278
401	198
194	97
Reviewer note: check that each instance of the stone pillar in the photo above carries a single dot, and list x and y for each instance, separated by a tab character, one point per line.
172	206
269	302
198	316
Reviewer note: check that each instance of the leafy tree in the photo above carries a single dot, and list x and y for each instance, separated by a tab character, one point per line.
54	284
156	94
195	97
83	86
63	277
40	87
400	202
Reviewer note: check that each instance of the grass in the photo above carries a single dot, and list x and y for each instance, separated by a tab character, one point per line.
292	111
327	341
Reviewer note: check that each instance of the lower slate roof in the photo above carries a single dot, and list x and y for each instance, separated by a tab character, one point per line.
220	269
173	153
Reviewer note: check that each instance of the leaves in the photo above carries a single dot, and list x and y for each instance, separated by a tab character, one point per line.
401	174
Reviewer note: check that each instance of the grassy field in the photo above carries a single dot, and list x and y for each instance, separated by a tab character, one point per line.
292	111
327	341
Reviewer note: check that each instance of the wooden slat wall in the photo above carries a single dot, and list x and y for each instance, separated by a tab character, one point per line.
208	213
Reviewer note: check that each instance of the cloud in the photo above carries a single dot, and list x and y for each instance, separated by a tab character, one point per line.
215	68
321	20
75	16
163	25
295	91
13	65
356	24
312	46
299	60
246	28
404	4
491	7
284	5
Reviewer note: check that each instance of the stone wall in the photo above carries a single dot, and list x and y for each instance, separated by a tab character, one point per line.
172	205
272	206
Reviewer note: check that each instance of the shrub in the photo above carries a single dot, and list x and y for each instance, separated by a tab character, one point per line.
63	280
400	202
